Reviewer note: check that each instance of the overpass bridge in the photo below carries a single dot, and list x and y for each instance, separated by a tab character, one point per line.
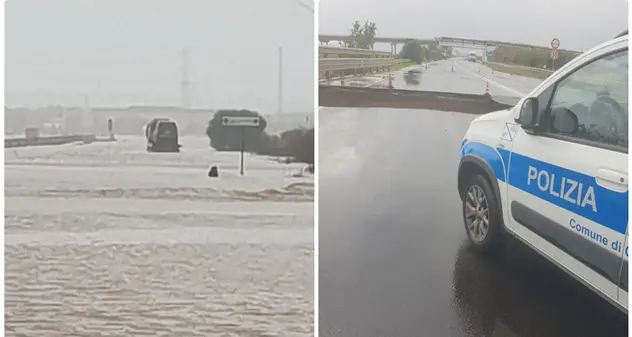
443	41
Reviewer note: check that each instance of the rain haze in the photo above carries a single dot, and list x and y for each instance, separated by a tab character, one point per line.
132	206
120	53
579	25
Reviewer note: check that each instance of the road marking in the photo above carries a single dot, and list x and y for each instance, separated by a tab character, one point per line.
506	88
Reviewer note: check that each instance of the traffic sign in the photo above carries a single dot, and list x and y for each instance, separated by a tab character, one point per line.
243	122
555	43
490	53
240	121
555	54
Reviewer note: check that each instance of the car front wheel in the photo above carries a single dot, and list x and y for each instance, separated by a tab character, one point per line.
481	215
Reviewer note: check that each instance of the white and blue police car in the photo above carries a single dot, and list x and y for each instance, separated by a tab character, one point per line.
553	171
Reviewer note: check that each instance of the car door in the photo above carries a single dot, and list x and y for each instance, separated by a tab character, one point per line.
568	191
623	279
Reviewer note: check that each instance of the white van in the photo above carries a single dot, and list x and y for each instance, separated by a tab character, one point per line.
553	171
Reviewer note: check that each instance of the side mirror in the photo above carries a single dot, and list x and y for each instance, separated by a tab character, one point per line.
564	120
528	115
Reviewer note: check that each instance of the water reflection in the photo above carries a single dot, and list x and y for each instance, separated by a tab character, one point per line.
413	77
520	294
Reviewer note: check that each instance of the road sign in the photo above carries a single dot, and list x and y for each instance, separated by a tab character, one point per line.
490	53
555	54
241	121
555	43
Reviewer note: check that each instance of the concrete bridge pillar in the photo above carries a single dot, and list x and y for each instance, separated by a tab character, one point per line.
394	48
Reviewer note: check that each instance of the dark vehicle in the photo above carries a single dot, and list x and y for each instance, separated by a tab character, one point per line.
162	135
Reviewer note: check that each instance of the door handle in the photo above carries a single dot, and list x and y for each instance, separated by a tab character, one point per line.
613	180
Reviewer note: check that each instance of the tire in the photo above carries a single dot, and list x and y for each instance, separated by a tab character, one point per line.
493	238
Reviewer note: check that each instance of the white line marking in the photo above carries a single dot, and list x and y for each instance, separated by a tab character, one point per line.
506	88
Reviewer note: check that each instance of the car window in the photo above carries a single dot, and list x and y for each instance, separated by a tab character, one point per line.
597	94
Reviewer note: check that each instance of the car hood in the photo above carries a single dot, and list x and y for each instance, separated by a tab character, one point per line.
494	116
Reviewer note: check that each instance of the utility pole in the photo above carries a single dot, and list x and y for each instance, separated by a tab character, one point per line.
280	89
185	84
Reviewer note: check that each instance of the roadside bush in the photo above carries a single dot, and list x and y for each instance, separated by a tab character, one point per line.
296	144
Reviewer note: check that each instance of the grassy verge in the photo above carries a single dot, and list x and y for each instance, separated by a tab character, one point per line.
520	71
403	65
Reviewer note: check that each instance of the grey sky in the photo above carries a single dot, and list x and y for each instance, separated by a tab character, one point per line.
579	24
122	52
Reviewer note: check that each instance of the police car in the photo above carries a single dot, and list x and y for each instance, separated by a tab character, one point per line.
553	171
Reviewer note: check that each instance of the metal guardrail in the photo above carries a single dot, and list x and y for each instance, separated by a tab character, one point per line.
52	140
354	52
548	71
340	64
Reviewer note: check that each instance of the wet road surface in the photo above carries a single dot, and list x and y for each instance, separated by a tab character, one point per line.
393	255
109	240
467	78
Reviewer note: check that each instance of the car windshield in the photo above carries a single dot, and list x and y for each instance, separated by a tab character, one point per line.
167	129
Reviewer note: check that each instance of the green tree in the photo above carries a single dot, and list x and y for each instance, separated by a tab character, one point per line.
368	33
297	144
224	138
412	50
362	36
531	57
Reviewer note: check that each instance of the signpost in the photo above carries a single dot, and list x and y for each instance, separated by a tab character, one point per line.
555	54
243	123
111	128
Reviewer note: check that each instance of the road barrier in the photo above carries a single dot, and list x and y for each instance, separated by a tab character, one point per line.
51	140
326	52
342	64
544	71
353	97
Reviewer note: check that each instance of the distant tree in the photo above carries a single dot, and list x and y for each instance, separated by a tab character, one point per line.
297	144
362	36
531	57
224	138
369	30
412	50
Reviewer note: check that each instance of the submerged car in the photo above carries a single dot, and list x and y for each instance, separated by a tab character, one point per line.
162	135
552	172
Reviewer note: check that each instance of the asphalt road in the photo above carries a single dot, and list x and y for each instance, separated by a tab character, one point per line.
467	77
393	255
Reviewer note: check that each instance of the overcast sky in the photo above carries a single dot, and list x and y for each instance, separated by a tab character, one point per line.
579	24
122	52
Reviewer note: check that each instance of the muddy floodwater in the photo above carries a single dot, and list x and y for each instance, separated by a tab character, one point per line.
108	240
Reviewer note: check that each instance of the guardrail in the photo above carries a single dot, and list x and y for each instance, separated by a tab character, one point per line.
52	140
342	64
547	71
350	52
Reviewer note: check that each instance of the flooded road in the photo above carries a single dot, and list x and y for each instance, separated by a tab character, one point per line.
108	240
394	260
459	76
